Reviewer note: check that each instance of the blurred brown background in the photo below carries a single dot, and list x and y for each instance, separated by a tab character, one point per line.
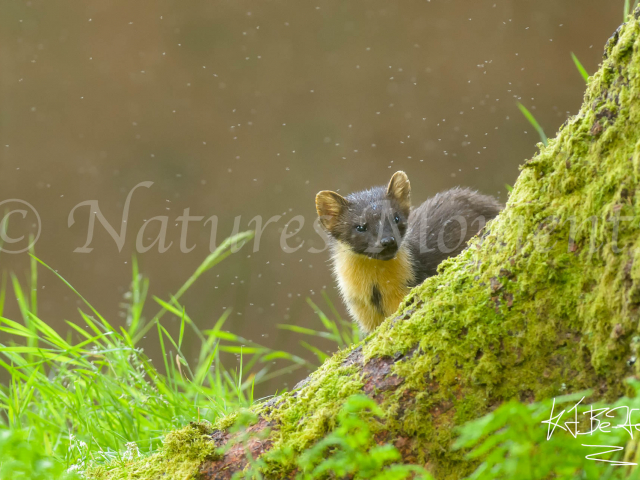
245	108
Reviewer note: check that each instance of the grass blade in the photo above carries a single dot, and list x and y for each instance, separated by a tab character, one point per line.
580	68
532	120
219	254
626	10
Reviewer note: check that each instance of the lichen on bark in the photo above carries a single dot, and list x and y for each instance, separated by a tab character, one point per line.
545	302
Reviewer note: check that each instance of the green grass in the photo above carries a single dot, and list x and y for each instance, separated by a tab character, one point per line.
532	120
80	399
581	69
341	332
628	9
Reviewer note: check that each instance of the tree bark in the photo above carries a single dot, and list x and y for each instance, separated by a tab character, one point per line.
545	302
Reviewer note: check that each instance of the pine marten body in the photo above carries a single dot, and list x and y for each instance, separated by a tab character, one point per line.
381	247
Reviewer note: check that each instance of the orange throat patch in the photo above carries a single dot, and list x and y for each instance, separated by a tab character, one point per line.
372	289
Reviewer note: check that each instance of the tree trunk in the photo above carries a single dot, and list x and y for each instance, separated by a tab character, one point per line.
544	303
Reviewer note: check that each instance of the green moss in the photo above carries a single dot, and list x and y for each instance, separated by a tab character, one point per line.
182	452
545	303
315	407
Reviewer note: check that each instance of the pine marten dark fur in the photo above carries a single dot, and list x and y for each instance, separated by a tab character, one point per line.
382	247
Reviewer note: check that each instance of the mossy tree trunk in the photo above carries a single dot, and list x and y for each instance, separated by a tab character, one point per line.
546	302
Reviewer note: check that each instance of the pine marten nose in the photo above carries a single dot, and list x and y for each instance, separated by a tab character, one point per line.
388	242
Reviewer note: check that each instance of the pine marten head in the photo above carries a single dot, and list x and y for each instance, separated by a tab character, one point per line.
372	222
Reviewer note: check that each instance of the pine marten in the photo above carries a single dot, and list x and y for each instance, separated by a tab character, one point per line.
381	247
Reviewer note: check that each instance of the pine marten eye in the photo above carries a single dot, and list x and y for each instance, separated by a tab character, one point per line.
361	228
397	218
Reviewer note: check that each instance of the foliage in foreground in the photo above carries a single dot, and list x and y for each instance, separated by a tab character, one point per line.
529	442
512	442
82	400
343	453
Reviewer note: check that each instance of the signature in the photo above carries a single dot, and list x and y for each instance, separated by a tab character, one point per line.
598	419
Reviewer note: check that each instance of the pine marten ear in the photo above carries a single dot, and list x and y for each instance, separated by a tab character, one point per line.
400	189
329	206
